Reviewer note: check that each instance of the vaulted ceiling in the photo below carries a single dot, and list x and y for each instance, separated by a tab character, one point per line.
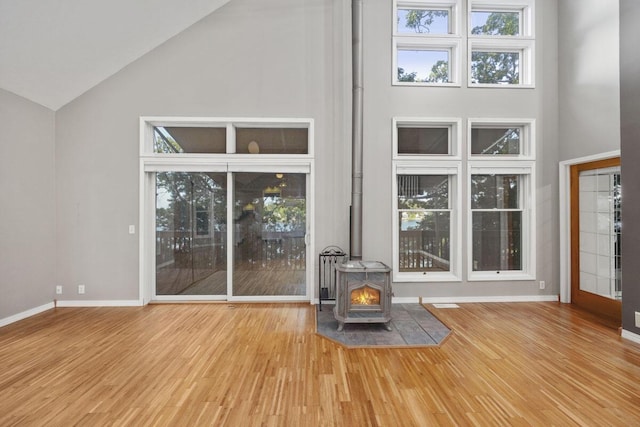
52	51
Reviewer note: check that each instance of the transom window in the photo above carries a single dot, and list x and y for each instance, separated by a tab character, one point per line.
501	139
237	138
426	137
180	140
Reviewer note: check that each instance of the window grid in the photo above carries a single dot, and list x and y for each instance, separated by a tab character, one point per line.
431	37
501	49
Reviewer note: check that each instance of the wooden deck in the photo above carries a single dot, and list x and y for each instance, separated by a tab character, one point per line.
522	364
247	280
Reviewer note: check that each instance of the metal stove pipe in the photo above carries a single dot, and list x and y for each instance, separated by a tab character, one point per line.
356	130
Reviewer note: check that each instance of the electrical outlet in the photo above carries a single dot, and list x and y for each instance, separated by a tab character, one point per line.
132	229
637	319
542	284
58	290
81	289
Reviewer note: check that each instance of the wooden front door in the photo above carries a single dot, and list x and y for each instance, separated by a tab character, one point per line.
595	238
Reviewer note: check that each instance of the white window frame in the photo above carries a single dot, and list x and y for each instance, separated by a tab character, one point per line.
452	6
526	69
526	9
428	42
527	202
527	137
430	164
455	136
430	167
151	162
524	44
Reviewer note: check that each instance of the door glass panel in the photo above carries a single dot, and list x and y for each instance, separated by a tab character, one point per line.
191	233
268	234
600	204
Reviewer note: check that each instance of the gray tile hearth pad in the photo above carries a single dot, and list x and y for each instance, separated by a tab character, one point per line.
412	325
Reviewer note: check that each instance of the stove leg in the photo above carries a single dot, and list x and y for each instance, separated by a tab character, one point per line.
387	326
340	326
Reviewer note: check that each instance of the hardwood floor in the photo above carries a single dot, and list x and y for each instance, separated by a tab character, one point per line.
538	364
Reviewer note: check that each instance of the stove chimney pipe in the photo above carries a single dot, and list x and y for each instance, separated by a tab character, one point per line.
356	131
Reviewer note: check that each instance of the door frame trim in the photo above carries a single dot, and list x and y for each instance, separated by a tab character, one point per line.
150	162
565	217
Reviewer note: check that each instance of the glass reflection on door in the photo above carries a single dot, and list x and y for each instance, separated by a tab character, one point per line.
269	257
600	204
191	233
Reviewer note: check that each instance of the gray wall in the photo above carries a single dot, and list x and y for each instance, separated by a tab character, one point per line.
282	58
383	101
589	80
27	216
251	59
630	132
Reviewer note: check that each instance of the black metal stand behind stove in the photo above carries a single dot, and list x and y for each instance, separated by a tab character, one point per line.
329	258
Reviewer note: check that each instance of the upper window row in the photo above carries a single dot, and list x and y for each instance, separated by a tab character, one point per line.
230	140
493	18
426	41
504	138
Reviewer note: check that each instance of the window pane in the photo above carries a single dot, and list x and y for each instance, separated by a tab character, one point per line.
424	241
495	23
497	241
423	140
270	217
495	141
494	192
427	66
423	21
191	233
272	140
171	140
495	67
423	192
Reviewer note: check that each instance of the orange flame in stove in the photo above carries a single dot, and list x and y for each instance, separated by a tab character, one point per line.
365	296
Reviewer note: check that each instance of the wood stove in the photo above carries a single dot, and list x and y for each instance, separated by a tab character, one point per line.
363	293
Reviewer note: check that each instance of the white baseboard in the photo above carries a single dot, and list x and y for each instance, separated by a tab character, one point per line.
405	300
630	336
100	303
25	314
432	300
512	298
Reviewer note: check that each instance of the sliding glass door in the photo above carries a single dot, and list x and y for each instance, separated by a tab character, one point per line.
269	227
225	209
191	233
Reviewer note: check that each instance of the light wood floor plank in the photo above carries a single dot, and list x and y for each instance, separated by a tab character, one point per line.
523	364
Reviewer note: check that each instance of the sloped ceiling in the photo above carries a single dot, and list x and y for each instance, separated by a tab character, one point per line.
52	51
